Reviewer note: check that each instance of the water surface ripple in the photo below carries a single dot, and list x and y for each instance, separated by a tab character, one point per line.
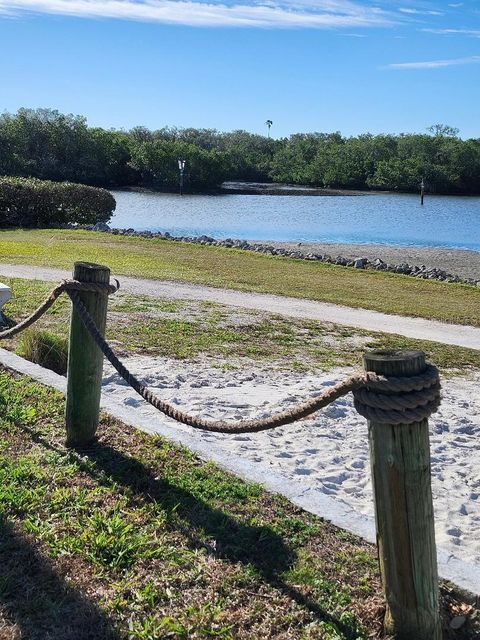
396	219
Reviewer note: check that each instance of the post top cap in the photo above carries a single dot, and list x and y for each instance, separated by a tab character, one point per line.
396	355
89	265
395	362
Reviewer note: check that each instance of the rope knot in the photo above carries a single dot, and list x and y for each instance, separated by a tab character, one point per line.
398	400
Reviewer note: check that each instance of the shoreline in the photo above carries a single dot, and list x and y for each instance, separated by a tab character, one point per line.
462	262
234	187
285	189
432	263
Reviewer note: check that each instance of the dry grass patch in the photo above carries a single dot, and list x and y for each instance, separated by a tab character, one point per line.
229	336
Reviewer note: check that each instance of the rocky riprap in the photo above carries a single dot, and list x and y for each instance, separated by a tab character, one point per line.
424	272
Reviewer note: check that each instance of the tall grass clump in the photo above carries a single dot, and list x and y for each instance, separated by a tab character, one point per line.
44	348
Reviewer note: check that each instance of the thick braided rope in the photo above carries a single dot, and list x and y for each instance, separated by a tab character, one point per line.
65	285
410	407
400	400
397	416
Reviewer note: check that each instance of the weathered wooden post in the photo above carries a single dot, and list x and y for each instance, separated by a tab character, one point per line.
401	477
85	360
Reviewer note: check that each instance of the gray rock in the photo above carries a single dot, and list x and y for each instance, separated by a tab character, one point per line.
101	226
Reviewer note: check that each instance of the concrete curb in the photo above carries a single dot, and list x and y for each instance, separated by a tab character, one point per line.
463	574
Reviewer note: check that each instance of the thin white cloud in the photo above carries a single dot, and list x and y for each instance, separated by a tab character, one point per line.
434	64
475	33
321	14
421	12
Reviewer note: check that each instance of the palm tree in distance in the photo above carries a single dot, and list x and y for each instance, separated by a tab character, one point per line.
269	124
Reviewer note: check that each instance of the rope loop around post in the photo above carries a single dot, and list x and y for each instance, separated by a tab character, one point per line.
91	287
399	400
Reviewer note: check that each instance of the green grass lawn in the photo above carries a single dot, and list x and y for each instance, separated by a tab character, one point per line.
220	267
134	538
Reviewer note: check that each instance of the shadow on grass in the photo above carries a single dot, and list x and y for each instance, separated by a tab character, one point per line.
6	322
36	602
258	546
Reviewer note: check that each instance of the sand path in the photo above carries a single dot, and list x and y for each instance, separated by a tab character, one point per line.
327	452
459	335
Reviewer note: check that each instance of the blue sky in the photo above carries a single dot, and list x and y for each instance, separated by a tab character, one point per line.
308	65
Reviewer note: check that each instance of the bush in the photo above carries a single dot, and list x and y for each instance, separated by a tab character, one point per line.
44	348
28	202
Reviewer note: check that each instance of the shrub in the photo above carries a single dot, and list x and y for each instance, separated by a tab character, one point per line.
28	202
44	348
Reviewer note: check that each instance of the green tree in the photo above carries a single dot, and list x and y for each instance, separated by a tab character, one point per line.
157	165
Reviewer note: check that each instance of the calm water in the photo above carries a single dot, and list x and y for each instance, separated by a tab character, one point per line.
447	221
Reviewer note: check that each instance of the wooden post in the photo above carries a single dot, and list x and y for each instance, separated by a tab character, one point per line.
85	360
422	191
401	478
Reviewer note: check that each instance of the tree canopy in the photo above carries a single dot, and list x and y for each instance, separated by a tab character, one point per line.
49	145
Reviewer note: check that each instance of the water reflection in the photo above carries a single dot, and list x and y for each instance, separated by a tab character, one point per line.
448	221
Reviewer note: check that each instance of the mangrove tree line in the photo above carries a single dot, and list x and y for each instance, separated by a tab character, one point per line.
49	145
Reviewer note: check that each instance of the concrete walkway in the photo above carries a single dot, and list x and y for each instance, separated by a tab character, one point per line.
459	335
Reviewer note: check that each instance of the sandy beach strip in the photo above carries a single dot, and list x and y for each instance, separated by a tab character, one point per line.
322	463
326	453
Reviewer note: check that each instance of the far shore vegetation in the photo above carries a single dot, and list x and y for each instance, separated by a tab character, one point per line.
245	271
46	144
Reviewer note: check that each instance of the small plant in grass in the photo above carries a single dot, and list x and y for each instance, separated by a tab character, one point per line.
12	408
111	541
44	348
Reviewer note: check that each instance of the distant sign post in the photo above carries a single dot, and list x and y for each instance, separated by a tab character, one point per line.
181	168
